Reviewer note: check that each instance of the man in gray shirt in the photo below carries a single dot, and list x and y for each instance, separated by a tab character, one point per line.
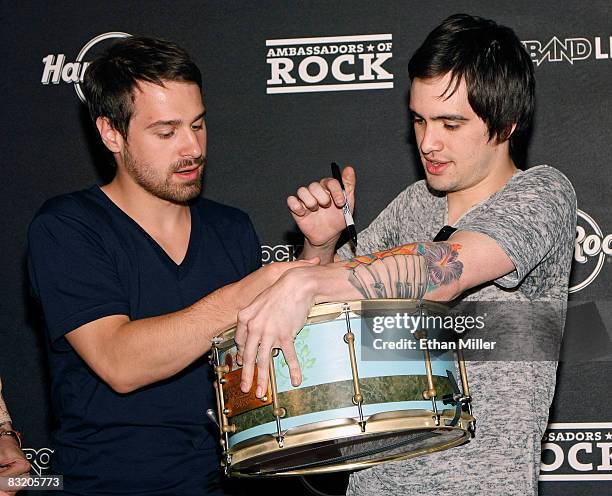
509	238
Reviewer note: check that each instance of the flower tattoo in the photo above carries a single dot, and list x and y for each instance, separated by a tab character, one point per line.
407	271
442	263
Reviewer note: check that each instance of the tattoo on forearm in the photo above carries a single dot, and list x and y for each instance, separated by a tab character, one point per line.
408	271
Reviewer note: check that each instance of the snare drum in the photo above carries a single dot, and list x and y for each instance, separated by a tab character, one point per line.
361	401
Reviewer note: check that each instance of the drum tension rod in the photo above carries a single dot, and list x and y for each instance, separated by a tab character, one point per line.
277	411
430	393
225	427
466	401
349	339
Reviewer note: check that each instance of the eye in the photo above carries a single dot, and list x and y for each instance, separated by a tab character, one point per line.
451	127
167	135
417	120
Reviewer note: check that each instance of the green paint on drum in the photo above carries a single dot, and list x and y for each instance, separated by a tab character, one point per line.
334	395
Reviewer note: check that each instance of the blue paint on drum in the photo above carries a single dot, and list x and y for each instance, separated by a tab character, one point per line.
339	413
325	345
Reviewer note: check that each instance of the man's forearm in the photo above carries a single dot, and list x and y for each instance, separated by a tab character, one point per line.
413	271
416	270
153	349
132	354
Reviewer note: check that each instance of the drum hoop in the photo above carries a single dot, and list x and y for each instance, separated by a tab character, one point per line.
327	312
381	423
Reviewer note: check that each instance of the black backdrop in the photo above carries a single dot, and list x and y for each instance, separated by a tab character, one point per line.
264	142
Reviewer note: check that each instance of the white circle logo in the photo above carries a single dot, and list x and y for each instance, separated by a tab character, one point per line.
590	251
88	46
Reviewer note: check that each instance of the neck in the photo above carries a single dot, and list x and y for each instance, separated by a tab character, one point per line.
459	202
152	213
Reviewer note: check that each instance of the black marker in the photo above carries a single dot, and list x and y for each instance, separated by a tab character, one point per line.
346	210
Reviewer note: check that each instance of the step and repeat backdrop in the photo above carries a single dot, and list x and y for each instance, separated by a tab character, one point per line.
290	87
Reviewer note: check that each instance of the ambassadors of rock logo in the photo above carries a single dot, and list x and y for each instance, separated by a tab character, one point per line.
333	63
577	452
56	70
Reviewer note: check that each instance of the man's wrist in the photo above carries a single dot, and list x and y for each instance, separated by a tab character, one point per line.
325	251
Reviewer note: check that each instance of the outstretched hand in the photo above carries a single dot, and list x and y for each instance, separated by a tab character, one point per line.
272	321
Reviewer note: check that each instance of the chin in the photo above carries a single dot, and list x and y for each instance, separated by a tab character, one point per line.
435	183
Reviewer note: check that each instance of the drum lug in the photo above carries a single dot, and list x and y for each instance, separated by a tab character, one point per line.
349	339
225	428
277	410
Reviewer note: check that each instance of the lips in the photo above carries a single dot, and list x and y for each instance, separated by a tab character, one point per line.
435	167
189	172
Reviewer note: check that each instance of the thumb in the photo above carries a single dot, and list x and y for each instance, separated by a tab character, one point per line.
349	179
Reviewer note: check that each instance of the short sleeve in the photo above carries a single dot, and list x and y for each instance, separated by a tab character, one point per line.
72	274
530	219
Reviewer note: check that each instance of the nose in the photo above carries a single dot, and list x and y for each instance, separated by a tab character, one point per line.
429	139
193	143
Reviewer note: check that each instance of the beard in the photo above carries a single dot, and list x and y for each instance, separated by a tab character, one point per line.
153	182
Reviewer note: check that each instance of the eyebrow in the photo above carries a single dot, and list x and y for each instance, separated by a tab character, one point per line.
443	117
174	122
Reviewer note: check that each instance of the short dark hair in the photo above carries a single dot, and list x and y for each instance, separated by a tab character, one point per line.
497	70
111	79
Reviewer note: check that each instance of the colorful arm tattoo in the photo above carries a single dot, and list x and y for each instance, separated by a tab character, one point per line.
4	415
408	271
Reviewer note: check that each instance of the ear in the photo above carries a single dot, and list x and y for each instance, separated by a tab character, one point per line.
111	138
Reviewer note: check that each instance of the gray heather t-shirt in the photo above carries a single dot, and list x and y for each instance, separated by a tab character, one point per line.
533	219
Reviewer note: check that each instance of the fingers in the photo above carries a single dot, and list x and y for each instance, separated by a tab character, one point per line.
247	342
248	361
263	368
296	206
349	179
292	362
334	190
316	195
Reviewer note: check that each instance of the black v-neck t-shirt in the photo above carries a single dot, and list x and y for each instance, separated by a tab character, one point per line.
87	260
